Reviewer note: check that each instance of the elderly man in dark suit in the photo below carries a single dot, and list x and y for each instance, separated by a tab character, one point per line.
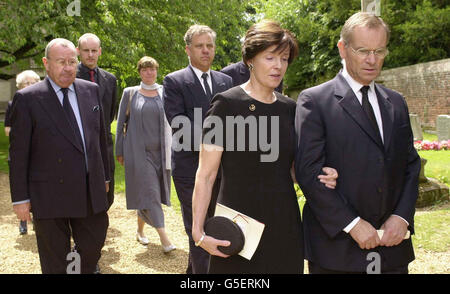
59	165
186	93
362	129
240	74
89	50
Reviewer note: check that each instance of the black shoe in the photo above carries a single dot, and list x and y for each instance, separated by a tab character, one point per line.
97	270
23	227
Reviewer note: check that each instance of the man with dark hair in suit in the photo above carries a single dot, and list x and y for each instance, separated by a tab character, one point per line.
188	91
240	74
361	129
59	166
89	50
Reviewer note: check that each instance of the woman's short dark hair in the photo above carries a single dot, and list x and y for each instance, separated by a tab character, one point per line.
265	34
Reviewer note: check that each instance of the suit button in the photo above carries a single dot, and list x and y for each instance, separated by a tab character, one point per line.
59	160
61	181
380	190
380	160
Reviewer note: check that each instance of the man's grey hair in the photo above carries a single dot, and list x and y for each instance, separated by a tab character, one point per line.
58	41
88	36
21	77
198	30
362	19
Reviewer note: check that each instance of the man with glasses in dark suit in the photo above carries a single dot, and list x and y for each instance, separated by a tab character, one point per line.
59	166
361	129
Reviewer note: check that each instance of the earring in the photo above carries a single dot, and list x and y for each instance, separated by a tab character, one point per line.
250	66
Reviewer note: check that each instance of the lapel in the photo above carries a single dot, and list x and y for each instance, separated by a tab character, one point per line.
101	83
244	71
86	108
50	102
197	93
387	114
218	85
351	105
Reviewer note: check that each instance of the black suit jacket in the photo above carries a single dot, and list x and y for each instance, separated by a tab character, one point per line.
240	74
48	166
183	93
375	180
107	84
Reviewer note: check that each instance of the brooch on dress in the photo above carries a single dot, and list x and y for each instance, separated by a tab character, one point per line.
252	107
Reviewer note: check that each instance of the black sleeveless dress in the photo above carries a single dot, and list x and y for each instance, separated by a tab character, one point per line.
256	181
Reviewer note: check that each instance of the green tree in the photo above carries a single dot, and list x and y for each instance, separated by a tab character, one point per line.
128	29
419	33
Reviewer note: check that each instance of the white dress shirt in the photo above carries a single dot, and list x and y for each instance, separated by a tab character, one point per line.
199	73
356	88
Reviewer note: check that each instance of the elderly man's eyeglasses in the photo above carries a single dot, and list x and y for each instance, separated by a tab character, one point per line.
363	52
69	62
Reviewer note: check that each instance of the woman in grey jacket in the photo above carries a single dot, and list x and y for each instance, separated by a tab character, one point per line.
143	147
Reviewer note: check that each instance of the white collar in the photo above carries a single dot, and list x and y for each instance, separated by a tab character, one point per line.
57	88
199	73
356	86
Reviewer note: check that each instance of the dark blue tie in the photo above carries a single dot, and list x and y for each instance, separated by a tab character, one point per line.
71	116
205	83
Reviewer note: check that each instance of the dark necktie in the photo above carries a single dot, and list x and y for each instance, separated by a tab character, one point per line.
368	108
205	83
71	116
91	74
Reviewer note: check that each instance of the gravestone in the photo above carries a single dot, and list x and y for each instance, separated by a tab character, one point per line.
443	127
415	126
431	190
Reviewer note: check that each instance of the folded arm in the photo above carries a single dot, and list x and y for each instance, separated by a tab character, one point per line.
327	205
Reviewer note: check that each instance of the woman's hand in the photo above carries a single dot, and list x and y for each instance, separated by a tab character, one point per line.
329	179
210	244
120	159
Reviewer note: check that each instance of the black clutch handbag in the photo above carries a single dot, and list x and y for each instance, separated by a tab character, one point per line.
222	228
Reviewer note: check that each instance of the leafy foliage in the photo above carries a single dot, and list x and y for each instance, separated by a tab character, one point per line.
128	29
419	33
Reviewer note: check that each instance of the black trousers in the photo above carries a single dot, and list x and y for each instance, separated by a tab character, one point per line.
198	258
314	268
53	240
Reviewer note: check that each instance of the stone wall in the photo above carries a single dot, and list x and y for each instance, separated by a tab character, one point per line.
425	86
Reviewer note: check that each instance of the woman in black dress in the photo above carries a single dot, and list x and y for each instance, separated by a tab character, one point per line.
257	181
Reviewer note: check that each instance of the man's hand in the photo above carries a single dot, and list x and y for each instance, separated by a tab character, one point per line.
107	186
365	235
394	231
23	211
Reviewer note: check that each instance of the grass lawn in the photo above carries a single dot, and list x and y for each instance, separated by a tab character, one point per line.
438	162
432	230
